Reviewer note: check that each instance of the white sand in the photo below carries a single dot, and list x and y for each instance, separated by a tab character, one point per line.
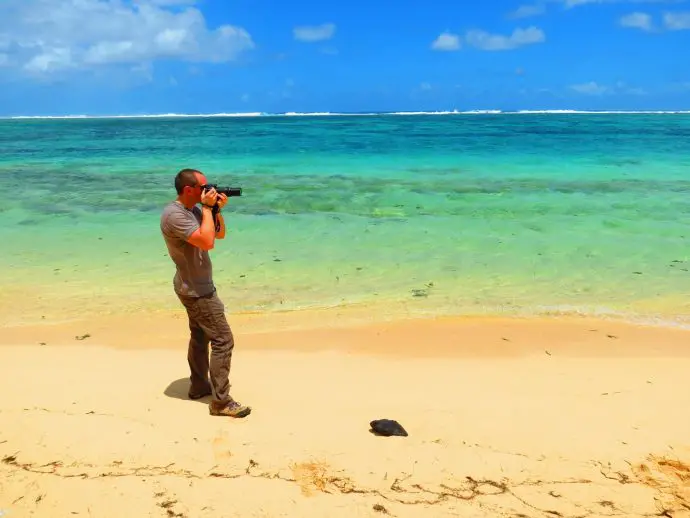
505	418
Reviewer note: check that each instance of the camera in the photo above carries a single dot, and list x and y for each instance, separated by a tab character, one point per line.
228	191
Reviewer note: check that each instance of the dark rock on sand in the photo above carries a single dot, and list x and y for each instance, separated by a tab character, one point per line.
387	427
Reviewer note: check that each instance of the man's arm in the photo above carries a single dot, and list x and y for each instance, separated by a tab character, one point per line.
205	236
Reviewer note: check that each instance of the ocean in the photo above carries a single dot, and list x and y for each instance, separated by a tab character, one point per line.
456	214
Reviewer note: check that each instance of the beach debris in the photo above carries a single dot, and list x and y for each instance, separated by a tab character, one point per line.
422	292
10	459
82	337
380	509
547	352
612	336
387	428
168	504
637	273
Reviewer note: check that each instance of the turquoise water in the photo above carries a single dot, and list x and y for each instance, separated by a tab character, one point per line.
453	214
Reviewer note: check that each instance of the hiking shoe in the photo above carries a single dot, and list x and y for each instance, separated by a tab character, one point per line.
231	409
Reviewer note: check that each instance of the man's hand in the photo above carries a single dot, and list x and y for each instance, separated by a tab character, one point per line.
209	197
221	200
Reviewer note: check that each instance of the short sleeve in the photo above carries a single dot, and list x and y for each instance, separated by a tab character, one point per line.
180	224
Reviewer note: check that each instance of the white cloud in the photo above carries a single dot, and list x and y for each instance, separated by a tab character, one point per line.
677	21
446	41
44	36
620	88
172	2
637	21
528	10
590	88
50	59
672	21
314	33
574	3
486	41
538	7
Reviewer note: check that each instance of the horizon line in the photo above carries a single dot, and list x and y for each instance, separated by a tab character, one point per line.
345	114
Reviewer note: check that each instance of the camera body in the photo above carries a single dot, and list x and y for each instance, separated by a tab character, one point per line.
228	191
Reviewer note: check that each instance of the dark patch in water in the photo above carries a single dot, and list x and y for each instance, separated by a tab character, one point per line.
263	212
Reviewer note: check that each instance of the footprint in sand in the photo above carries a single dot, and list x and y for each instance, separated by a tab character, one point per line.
221	447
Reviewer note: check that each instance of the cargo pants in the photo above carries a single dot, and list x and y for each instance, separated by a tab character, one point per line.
207	323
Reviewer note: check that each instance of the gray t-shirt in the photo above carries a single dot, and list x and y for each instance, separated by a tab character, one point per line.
194	275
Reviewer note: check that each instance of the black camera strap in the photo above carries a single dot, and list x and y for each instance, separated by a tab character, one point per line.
215	211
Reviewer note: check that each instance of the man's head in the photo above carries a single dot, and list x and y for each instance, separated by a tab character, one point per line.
188	184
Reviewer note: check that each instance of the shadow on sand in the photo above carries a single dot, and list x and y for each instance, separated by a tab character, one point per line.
179	389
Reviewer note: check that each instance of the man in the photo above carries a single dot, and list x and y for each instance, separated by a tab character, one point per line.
189	233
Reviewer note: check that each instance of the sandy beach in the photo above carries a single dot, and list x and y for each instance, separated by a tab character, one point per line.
471	221
522	417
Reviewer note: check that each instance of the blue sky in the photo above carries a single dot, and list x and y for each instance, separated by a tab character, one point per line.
104	57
